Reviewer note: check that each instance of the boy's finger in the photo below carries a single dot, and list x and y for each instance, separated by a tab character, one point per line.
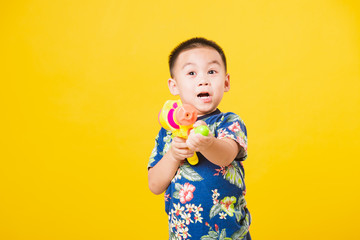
179	140
179	145
199	123
190	145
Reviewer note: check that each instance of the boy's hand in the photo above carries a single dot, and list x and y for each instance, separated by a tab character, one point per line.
197	142
179	149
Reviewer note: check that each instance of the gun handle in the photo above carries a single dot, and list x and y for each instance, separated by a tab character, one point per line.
194	159
204	130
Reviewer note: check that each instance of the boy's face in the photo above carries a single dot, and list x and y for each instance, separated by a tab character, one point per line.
199	77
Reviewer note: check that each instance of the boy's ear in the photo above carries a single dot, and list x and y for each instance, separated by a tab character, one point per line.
173	87
227	83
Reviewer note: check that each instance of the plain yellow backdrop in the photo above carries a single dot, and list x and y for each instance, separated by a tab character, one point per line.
82	83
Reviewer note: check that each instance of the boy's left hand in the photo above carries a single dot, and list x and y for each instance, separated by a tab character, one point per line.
196	141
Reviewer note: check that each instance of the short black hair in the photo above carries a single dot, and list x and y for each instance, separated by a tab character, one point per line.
195	42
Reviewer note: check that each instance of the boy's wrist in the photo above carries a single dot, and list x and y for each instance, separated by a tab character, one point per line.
210	144
173	158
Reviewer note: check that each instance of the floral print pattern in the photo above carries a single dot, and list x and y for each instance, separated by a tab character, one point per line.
214	235
186	193
227	205
206	201
181	217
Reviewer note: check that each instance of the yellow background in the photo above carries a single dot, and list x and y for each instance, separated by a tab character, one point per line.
82	83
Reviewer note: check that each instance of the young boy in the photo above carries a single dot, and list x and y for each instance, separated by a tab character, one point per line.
206	200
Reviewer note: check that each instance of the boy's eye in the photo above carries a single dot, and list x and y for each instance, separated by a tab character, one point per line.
212	72
191	73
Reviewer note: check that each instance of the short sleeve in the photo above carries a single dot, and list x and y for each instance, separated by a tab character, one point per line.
233	127
162	143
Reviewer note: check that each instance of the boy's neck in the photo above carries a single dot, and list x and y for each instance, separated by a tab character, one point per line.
216	111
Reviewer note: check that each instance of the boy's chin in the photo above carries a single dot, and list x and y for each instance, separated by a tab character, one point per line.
203	110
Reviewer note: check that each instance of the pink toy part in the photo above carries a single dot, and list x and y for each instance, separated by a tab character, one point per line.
171	121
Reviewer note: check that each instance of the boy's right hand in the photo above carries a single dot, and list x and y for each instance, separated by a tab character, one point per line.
179	149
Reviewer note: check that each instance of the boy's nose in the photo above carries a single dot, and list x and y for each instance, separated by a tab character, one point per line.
203	81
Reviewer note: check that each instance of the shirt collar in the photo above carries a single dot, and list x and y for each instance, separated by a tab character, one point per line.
217	111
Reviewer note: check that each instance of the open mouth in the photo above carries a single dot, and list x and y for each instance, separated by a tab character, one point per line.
203	95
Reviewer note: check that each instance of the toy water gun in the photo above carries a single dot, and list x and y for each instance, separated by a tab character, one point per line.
179	119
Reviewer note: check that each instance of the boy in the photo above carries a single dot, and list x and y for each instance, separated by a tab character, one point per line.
203	201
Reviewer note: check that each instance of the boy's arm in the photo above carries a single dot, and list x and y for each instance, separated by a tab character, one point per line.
222	151
162	173
218	151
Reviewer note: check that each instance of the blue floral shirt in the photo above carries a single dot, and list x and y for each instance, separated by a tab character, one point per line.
206	201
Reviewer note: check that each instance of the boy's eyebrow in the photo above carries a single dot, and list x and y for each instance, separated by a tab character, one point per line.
209	63
215	61
186	64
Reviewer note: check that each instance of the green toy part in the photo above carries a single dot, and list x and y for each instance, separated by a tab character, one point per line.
202	129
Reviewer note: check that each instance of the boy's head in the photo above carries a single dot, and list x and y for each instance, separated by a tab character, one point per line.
198	74
192	43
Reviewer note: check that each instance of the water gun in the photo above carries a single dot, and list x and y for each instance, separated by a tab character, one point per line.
179	119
